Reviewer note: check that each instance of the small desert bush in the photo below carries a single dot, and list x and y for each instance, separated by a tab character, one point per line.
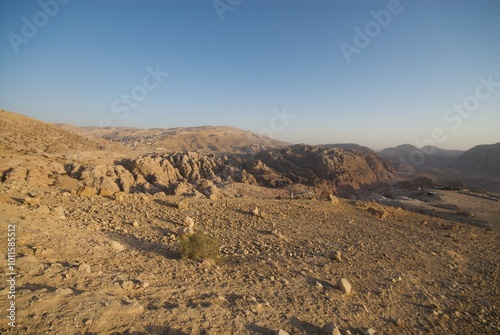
200	247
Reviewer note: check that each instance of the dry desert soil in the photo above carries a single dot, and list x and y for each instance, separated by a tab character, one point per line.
107	266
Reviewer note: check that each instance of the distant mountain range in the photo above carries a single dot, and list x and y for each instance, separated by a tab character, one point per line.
481	158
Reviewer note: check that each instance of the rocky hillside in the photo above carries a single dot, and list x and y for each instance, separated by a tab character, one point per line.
348	146
484	158
206	139
316	165
191	172
196	174
432	155
24	135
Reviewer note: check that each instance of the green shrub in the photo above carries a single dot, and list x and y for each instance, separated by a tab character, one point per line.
200	247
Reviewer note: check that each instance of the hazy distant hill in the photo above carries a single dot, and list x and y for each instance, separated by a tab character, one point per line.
484	158
207	139
432	155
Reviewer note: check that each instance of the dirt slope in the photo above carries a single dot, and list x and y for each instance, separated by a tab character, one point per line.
21	134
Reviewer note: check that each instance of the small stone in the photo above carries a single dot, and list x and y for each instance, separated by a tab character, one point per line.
64	291
256	211
186	231
31	201
336	255
333	199
183	204
128	285
58	212
135	308
331	329
369	331
117	246
319	285
43	210
282	332
380	213
119	196
344	285
189	222
135	224
145	284
84	267
86	191
104	192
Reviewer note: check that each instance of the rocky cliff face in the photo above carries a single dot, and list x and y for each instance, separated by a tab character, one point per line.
334	169
178	173
341	169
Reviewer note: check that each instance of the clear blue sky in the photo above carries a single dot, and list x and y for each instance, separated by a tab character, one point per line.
264	56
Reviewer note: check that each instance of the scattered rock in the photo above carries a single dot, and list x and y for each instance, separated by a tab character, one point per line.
189	222
344	285
84	267
86	191
183	188
43	210
104	192
135	308
380	213
183	204
256	211
185	231
128	285
369	331
336	255
119	196
58	212
64	291
31	201
282	332
117	246
333	199
331	329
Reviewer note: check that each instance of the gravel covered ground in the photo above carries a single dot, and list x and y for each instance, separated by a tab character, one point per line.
410	273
